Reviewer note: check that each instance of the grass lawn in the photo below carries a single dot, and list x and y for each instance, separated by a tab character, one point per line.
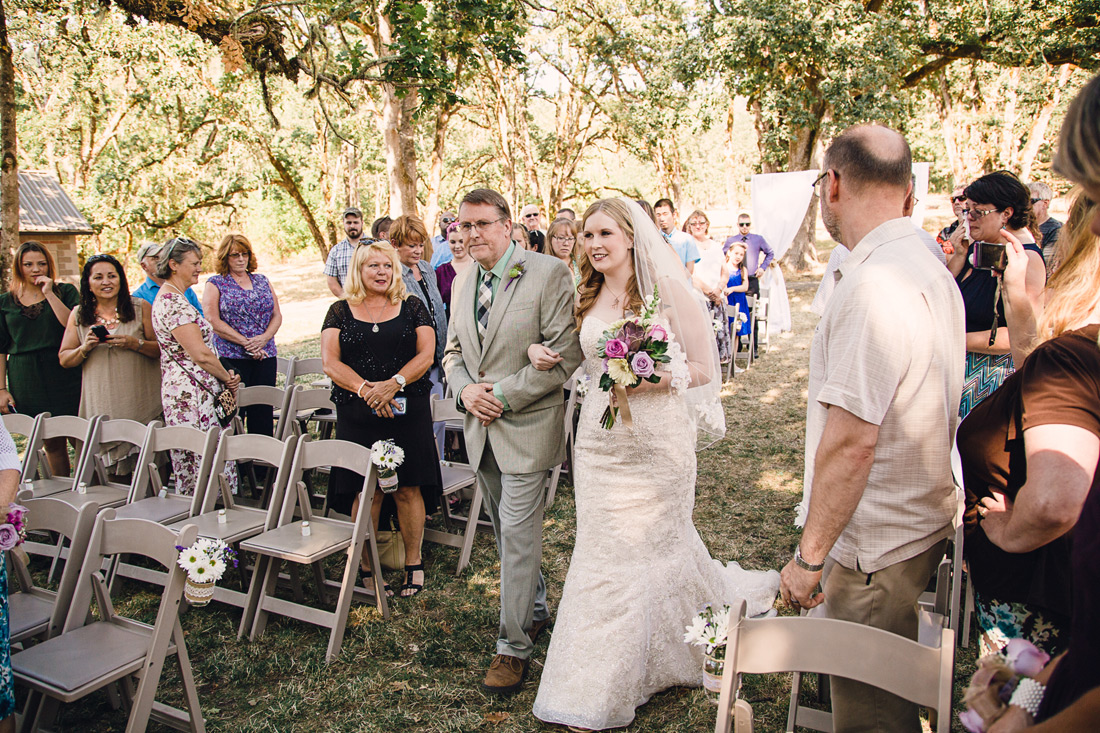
420	670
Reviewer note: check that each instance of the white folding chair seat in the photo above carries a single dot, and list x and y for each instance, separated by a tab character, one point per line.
37	476
328	536
836	648
40	612
92	653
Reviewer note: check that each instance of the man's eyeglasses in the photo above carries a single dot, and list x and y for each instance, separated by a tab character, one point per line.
975	214
960	199
821	177
744	223
528	216
469	226
1035	201
447	219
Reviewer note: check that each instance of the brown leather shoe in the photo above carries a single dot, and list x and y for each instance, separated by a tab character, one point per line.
537	627
505	675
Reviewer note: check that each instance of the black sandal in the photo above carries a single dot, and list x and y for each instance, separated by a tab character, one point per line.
367	578
409	585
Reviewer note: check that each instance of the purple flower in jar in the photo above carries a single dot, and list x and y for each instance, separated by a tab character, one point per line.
615	349
9	537
642	364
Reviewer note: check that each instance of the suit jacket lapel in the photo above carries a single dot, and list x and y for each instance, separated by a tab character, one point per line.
505	291
464	319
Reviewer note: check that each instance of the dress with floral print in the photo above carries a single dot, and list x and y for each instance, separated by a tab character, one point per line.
184	401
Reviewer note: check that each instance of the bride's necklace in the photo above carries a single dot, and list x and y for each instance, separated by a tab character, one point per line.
618	297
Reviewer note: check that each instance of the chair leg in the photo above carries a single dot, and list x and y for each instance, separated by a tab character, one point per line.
190	692
792	710
259	623
471	530
381	601
259	575
319	581
968	612
343	603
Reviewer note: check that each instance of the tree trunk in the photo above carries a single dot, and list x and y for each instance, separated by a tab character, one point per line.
1009	141
9	166
1037	135
398	142
945	105
435	169
287	183
731	167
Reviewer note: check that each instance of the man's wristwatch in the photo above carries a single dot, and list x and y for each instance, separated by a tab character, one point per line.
800	562
400	382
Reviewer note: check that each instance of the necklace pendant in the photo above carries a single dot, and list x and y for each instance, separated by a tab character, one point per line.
375	329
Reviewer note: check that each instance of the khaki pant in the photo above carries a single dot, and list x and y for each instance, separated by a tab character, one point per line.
887	600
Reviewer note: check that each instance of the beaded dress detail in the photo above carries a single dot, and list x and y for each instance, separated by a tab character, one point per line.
639	570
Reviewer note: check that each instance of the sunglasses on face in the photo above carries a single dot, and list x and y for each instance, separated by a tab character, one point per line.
744	223
447	219
1035	201
958	199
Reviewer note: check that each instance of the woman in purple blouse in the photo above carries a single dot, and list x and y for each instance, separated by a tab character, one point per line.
244	311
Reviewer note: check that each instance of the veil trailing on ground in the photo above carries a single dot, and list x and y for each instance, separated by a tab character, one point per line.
656	264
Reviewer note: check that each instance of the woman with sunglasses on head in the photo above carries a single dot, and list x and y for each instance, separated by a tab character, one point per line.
191	373
110	338
33	315
997	205
244	312
710	278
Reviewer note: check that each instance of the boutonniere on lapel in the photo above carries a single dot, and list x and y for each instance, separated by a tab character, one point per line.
515	274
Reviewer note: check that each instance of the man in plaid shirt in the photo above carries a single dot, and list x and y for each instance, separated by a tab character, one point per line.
336	266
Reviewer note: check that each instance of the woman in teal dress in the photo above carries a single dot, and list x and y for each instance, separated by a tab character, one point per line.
33	314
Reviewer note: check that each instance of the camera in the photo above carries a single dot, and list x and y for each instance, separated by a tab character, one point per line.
990	256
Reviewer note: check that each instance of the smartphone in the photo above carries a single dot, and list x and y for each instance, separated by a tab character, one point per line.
397	406
100	331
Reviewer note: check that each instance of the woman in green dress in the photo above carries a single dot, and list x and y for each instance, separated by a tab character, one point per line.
33	314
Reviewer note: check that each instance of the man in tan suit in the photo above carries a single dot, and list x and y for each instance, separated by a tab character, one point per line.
514	413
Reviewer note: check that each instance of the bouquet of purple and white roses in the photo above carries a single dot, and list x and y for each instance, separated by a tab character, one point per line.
631	349
13	531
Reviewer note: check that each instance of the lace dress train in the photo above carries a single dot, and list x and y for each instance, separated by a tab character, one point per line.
639	570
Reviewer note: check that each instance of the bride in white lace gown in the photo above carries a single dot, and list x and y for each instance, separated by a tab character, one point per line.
639	571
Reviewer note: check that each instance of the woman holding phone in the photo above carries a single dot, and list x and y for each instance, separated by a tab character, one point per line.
110	339
995	202
377	345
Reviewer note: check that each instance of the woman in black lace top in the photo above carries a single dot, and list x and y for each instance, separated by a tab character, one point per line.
377	346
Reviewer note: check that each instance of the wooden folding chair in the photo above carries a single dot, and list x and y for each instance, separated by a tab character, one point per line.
328	536
839	648
149	499
260	394
233	522
456	477
36	612
311	404
37	476
311	373
91	654
735	316
760	316
284	367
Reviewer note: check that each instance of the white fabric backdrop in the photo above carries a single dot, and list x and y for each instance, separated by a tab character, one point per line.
779	202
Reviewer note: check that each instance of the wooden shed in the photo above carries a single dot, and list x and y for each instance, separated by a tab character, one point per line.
49	216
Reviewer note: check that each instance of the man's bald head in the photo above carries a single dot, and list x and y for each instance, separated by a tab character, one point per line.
871	155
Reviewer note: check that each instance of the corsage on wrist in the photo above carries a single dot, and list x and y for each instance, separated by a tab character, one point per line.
1028	695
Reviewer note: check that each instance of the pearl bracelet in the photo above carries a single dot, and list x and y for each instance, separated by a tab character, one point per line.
1028	695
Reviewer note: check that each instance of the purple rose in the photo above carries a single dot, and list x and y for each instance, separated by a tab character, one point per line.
658	333
9	537
642	364
1025	658
972	721
615	349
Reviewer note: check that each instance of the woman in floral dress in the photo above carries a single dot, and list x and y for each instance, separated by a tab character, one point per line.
191	373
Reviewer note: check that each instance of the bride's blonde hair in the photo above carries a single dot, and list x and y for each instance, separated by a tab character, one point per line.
592	280
1073	291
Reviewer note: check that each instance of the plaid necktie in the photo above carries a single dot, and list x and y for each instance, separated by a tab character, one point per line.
484	302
